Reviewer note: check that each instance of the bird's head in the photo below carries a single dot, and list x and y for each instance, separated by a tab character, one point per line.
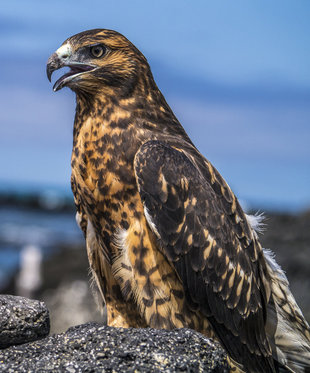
99	60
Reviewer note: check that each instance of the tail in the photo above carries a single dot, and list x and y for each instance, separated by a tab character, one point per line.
286	327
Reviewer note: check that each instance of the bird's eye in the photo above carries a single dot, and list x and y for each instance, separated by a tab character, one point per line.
97	51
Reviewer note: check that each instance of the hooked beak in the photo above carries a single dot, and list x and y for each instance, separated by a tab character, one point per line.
61	58
53	63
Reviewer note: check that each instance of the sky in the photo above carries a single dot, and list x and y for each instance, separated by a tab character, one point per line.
237	75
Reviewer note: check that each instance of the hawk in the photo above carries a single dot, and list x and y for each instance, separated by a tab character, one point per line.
167	241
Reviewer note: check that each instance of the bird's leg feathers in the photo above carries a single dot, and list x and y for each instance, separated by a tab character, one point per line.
119	312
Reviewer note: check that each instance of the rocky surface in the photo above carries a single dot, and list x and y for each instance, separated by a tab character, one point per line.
93	347
22	320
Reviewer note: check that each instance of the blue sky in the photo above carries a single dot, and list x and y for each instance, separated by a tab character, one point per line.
237	74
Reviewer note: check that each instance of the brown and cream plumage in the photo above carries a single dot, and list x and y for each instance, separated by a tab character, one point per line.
167	241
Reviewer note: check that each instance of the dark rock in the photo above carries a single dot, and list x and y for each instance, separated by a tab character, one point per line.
22	320
93	347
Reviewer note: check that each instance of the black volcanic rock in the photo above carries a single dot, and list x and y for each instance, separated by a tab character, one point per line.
93	347
22	320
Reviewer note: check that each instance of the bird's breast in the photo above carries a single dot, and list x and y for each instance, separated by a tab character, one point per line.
102	170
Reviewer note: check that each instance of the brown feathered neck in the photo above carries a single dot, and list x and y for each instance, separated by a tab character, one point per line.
144	103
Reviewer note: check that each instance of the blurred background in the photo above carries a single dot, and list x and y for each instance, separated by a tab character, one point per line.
237	75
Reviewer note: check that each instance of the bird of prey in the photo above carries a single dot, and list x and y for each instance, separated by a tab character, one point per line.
167	241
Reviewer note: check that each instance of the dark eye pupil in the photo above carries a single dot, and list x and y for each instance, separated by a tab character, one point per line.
97	51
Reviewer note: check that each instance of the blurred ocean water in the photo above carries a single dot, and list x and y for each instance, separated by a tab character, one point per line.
37	221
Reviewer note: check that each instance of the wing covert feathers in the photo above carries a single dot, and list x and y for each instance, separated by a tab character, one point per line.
205	235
